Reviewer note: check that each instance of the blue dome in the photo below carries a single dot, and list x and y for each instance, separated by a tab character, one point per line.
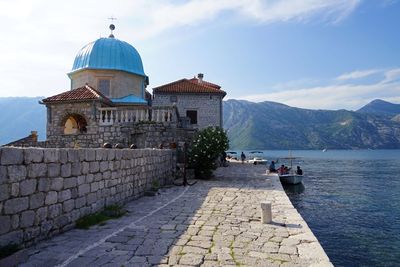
109	54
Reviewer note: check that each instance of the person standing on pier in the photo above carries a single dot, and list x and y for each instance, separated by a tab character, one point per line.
272	167
243	157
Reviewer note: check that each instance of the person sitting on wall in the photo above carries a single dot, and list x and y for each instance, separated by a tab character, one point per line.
299	171
272	167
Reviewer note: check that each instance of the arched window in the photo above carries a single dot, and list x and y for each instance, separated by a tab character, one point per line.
75	124
70	127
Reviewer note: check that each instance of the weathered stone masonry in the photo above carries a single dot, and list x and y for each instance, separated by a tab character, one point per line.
44	191
208	107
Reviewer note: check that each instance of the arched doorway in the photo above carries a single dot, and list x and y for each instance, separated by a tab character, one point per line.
74	124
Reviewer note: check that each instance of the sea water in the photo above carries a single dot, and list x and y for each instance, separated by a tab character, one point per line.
351	202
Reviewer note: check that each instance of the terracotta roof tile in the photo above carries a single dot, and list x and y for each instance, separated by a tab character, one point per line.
191	86
216	86
82	93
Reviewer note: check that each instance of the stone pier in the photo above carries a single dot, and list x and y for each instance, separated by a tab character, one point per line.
212	223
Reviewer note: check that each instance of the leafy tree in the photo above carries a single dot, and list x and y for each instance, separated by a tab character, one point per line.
208	145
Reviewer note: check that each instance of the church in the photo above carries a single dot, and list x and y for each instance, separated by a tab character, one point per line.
108	102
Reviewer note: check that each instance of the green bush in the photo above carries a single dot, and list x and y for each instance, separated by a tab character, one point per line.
114	211
208	144
155	185
90	220
109	212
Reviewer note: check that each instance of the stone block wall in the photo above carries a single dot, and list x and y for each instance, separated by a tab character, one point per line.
44	191
109	134
208	107
153	135
143	135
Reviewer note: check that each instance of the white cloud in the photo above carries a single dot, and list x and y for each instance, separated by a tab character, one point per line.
357	74
271	11
194	12
336	96
386	3
75	19
391	75
41	37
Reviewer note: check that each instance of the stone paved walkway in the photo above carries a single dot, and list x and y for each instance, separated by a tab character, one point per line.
213	223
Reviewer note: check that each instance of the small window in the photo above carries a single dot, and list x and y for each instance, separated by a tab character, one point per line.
104	87
192	115
49	115
173	99
71	126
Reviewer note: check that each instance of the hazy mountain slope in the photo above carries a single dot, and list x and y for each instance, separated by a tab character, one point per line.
396	118
380	107
19	116
270	125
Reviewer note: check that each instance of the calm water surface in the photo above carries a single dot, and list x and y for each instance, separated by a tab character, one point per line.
351	201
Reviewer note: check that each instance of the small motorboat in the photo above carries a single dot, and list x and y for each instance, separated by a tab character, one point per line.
290	177
257	157
258	160
232	155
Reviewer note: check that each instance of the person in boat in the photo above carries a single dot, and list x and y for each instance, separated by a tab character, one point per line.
281	169
286	170
242	157
299	171
272	167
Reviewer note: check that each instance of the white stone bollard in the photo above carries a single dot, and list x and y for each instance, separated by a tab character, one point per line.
266	213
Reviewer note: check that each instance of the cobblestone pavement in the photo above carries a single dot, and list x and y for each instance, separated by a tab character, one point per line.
213	223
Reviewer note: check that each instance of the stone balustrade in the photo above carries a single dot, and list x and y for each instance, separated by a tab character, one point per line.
113	116
44	191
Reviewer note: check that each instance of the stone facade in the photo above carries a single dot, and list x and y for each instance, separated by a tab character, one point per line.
44	191
121	83
142	134
154	135
208	107
58	113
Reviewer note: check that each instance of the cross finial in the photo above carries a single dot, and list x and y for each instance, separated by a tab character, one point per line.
112	26
112	19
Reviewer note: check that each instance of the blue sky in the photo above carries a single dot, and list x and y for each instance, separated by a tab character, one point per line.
320	54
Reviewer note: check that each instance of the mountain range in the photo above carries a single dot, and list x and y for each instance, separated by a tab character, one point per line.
264	125
270	125
19	116
380	107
